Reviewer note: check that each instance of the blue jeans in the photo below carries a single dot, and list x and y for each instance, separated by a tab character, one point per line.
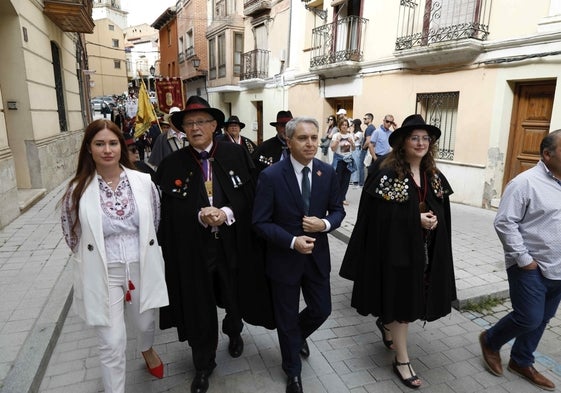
534	301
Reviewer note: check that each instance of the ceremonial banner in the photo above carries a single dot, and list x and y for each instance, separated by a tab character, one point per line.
170	93
145	115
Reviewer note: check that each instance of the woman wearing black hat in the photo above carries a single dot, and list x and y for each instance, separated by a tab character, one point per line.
232	128
400	254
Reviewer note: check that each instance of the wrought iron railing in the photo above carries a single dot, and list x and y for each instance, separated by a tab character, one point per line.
255	64
441	110
426	22
338	41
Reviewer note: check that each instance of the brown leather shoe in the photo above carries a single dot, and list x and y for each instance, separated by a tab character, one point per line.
532	375
492	358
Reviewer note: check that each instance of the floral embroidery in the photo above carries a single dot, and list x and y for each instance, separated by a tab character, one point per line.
117	204
393	189
436	184
181	186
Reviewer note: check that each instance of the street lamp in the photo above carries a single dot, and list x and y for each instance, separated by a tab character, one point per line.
152	71
196	64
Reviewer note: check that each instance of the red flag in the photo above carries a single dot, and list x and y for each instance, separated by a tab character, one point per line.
170	93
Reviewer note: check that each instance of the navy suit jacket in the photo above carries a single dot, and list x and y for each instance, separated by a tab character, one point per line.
278	212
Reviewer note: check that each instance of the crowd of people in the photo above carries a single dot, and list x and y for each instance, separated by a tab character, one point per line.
180	231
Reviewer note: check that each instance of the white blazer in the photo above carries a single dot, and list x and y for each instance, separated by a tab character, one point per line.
91	283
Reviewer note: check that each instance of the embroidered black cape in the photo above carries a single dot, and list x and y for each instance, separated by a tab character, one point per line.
385	256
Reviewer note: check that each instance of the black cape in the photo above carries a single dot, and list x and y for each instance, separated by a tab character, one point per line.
247	143
183	239
385	256
268	152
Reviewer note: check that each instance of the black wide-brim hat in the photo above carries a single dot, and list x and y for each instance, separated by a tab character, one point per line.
196	104
283	117
234	120
413	122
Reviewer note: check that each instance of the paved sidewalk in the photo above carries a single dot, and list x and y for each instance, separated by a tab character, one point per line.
347	353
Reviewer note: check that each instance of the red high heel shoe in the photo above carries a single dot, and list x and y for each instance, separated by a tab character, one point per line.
157	371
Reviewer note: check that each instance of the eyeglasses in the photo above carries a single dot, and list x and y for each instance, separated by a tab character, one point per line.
418	138
198	123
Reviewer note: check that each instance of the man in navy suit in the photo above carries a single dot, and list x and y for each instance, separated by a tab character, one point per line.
298	206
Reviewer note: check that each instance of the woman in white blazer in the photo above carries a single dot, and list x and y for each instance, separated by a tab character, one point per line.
110	213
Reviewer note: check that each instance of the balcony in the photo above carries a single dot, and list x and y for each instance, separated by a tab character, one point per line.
181	57
255	7
70	15
337	48
255	68
435	32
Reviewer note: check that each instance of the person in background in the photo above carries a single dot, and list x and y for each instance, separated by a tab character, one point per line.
379	142
298	206
135	158
273	149
171	139
232	129
404	215
357	177
342	144
326	139
367	120
528	223
109	218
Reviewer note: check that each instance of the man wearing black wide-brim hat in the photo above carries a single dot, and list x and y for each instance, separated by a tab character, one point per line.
205	234
232	129
273	149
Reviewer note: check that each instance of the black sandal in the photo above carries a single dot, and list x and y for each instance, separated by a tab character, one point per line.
406	381
383	330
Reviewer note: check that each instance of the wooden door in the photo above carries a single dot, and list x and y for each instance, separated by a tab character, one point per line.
531	117
259	113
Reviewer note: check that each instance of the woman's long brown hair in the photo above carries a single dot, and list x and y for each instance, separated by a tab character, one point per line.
86	165
396	159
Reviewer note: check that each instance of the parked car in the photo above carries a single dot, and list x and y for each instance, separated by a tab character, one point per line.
96	104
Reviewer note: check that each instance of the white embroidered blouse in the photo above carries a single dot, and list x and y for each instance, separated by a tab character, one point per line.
120	220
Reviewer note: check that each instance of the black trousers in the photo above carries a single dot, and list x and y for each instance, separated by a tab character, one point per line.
225	296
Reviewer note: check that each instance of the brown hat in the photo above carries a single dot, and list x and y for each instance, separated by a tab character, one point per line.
196	104
413	122
234	120
283	117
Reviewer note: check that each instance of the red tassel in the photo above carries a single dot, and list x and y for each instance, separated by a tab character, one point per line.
131	285
128	296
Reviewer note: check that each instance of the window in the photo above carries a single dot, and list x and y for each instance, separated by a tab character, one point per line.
238	51
111	27
189	49
115	43
221	55
169	35
220	8
441	110
212	58
117	63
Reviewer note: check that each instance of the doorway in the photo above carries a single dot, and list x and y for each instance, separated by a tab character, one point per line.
531	118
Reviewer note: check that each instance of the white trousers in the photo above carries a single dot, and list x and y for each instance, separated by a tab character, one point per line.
112	340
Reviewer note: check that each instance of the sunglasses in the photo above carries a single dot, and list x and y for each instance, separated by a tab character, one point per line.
133	150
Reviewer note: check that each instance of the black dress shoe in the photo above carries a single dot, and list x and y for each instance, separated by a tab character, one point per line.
200	382
235	347
294	385
305	350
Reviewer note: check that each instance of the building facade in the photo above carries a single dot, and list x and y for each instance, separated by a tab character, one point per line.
489	78
44	91
106	49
